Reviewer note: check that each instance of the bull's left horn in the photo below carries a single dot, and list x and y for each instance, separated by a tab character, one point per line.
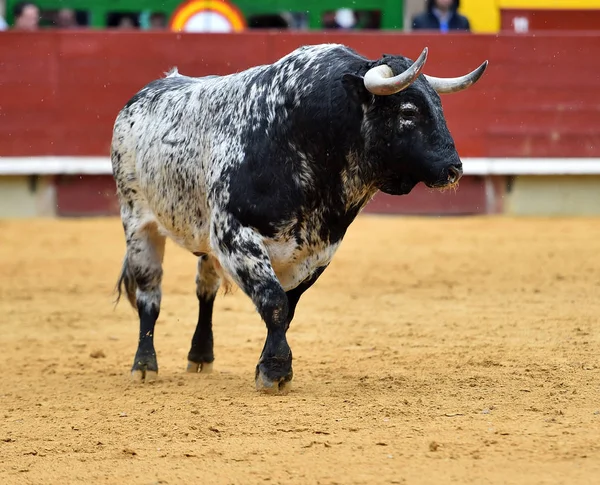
380	80
447	85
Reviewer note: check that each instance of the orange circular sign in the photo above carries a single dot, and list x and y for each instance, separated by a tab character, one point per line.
207	16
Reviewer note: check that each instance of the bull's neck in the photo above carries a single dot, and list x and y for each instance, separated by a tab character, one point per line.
358	188
328	129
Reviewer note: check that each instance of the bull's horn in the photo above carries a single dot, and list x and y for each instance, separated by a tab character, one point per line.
447	85
381	80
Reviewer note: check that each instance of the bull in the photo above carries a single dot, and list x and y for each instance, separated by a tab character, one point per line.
260	173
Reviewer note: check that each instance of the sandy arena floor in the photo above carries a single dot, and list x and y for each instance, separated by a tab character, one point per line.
432	351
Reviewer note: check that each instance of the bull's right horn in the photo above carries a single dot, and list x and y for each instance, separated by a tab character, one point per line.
380	80
455	84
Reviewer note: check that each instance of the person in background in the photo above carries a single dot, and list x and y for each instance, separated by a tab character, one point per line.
343	18
27	16
158	21
127	22
3	22
441	15
66	19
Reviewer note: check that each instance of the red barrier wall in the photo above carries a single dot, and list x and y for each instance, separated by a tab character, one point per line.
94	195
549	19
60	91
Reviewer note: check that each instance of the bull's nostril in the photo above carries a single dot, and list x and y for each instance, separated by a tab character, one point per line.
454	173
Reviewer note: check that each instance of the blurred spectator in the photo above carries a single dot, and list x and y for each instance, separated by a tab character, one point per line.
268	21
27	16
343	18
127	22
123	20
441	15
3	24
296	20
158	21
66	19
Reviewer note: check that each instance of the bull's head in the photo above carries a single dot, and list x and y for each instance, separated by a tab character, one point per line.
406	137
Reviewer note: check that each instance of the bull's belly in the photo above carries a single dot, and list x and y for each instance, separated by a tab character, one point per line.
292	266
193	236
194	239
187	225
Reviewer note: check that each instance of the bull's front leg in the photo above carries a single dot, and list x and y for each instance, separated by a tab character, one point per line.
242	254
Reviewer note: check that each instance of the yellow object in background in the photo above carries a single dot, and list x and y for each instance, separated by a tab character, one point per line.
484	15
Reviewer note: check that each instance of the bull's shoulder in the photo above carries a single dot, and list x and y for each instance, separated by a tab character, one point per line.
262	195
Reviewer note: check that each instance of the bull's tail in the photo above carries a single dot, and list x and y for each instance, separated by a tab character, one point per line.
127	281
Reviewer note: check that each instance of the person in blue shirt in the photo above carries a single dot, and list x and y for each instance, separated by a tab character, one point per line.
441	15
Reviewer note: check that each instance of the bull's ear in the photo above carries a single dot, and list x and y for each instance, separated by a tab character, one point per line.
355	87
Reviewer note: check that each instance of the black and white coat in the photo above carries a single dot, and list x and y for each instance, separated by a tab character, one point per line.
259	174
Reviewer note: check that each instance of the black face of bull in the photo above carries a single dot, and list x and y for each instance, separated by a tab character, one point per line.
410	141
407	140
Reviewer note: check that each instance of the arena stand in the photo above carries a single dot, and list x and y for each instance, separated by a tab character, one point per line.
527	132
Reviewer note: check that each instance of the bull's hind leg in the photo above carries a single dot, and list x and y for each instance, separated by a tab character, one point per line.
243	255
201	356
142	274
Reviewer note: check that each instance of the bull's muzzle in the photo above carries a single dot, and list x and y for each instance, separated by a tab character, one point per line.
447	177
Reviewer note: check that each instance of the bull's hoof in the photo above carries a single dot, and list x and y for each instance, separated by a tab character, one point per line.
142	375
199	367
145	367
200	361
272	384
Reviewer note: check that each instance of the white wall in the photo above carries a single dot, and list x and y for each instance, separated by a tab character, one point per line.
554	195
21	198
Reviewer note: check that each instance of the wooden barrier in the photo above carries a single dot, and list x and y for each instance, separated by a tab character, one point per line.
60	91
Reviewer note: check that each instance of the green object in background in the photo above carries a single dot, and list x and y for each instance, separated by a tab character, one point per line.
392	11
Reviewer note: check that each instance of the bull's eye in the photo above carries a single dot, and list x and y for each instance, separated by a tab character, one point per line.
408	116
409	110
